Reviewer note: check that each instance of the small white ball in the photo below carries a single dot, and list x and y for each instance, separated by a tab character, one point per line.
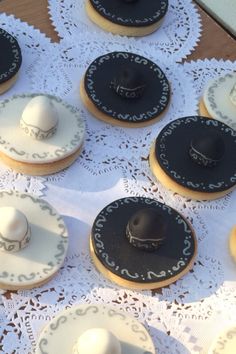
97	341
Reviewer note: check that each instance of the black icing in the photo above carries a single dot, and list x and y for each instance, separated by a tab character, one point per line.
132	13
102	72
146	229
172	153
10	56
115	252
207	149
128	83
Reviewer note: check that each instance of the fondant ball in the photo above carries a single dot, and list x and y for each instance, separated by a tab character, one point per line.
209	148
146	229
13	224
39	118
128	83
97	341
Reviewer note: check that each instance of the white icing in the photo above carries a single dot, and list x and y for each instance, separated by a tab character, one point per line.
233	95
97	341
14	229
39	118
219	99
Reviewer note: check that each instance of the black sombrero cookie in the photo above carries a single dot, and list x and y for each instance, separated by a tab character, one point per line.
140	243
10	60
127	17
195	157
125	89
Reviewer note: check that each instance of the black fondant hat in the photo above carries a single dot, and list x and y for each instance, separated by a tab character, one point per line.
131	12
198	153
127	87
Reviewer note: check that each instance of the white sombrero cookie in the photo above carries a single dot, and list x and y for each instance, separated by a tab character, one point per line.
33	241
225	343
94	329
219	100
39	134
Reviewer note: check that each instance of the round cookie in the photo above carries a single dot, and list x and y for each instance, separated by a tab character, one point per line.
225	343
10	60
163	261
127	17
125	89
203	163
219	100
39	134
95	324
33	241
232	243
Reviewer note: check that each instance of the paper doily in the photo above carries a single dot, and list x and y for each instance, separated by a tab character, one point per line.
176	38
182	318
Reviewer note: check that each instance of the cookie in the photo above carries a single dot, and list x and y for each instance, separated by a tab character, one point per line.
225	343
127	17
39	134
140	243
33	241
125	89
10	60
94	329
219	100
195	157
232	243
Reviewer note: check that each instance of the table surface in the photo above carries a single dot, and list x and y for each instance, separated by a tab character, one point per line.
214	43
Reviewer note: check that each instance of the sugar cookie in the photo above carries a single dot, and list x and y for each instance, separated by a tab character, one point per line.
94	329
39	134
195	157
140	243
127	17
125	89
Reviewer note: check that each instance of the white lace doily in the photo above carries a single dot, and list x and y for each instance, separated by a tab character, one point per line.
182	318
33	45
176	38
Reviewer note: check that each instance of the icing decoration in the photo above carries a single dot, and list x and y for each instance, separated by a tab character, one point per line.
10	58
233	95
119	256
138	15
97	341
39	118
101	73
207	149
129	83
225	343
14	230
177	163
146	229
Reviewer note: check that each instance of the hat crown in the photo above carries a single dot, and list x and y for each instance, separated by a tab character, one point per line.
207	149
39	118
97	341
14	229
146	229
128	83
